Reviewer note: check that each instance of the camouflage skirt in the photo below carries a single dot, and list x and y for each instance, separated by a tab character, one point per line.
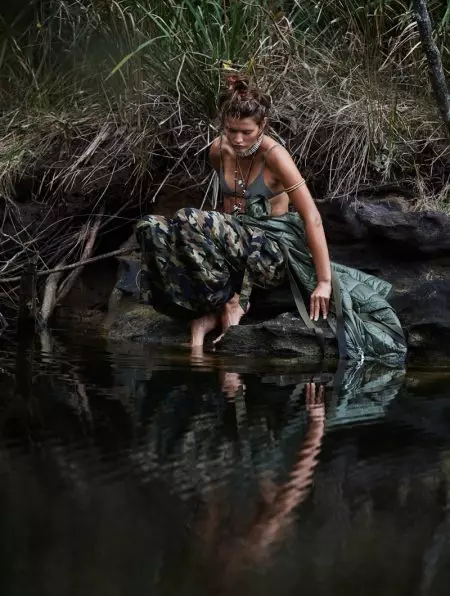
194	262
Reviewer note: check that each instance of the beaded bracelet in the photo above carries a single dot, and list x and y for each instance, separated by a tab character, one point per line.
295	186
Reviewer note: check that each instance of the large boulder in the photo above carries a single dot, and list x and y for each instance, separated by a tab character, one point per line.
387	223
384	237
424	312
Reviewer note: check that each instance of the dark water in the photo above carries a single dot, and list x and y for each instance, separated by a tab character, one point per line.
125	470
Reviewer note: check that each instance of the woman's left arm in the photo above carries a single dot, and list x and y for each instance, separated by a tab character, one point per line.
282	165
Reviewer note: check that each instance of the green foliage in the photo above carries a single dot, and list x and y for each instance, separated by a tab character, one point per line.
183	44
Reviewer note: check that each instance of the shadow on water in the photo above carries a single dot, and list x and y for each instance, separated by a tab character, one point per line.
131	471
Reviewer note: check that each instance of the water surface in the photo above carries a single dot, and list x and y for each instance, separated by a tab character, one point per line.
126	470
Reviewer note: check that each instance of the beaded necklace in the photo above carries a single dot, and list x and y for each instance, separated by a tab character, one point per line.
241	182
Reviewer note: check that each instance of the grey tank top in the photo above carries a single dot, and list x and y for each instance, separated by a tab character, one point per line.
257	188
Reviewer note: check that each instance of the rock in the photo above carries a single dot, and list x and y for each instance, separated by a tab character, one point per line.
141	323
428	302
425	233
285	336
388	224
429	343
424	312
383	237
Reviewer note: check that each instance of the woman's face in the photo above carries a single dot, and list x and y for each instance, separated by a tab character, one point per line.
242	133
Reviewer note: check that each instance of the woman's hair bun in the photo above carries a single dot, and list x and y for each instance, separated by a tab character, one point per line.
242	100
237	85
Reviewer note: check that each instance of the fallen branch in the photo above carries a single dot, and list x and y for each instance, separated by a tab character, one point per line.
51	286
67	284
107	255
49	299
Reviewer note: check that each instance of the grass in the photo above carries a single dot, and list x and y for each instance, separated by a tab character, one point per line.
114	101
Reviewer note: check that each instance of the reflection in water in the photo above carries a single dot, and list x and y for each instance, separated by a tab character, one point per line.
128	471
277	515
277	502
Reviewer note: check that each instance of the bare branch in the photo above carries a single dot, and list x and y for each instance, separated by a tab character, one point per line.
434	60
108	255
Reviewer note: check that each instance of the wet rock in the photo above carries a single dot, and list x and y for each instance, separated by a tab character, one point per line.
387	223
284	336
141	323
424	312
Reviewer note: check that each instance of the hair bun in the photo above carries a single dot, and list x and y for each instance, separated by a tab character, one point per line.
237	84
242	100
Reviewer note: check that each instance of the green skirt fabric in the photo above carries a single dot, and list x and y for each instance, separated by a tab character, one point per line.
372	329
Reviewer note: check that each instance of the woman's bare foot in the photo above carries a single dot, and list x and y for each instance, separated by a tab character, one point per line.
231	315
201	327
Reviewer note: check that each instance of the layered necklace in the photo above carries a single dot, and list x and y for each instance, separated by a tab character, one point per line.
240	180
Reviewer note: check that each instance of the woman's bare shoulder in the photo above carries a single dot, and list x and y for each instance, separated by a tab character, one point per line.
277	154
271	146
281	163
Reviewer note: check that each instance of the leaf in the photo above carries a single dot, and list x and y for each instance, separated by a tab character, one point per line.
132	54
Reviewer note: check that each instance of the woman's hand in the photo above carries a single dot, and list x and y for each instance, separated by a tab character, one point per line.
320	300
315	402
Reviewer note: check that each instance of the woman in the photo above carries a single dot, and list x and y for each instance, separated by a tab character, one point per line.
203	264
